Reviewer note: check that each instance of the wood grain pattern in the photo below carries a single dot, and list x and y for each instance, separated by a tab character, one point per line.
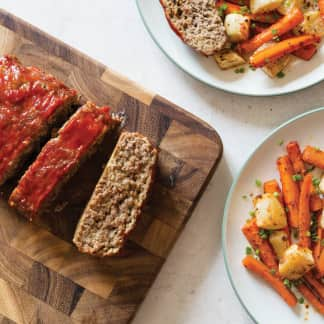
43	278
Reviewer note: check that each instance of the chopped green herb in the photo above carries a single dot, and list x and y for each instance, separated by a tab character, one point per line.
253	25
221	9
244	197
301	300
316	182
280	143
276	194
310	169
317	148
274	31
257	252
263	233
280	75
272	271
258	183
244	10
239	70
248	250
297	177
287	283
252	213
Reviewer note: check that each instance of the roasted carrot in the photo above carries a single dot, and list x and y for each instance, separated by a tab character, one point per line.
281	27
316	203
290	189
314	156
320	264
230	7
317	285
263	271
272	186
295	157
306	53
251	232
316	303
304	212
321	7
280	49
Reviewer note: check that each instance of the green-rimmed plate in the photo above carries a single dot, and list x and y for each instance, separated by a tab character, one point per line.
259	300
300	75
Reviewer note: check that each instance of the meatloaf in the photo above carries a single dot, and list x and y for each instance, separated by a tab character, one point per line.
31	102
197	23
60	157
118	198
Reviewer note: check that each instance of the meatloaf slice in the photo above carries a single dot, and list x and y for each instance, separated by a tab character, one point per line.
60	158
197	23
31	104
118	198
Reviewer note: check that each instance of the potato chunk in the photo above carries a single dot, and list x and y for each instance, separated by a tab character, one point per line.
272	69
237	27
295	262
270	213
228	59
279	242
313	23
260	6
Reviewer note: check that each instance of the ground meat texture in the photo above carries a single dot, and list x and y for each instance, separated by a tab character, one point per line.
198	24
118	198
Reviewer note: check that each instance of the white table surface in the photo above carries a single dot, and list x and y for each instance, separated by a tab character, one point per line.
192	287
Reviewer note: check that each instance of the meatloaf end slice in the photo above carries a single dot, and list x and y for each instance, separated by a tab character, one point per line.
118	198
197	23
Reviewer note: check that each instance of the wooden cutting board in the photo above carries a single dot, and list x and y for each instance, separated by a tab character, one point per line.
43	278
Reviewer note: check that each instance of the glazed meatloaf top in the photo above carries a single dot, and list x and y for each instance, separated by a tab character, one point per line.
197	23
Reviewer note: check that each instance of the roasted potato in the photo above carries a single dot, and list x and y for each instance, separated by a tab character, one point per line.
237	27
295	262
272	69
261	6
279	242
228	59
270	213
313	23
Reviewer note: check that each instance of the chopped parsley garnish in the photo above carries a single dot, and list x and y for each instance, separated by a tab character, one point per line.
258	183
248	250
297	177
280	75
301	300
310	169
272	271
274	31
239	70
280	143
276	194
252	213
244	197
244	10
287	283
263	233
221	9
316	182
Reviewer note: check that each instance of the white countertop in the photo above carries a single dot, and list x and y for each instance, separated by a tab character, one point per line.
192	287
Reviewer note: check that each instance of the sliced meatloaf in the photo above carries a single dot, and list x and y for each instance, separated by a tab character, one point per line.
197	23
60	158
31	103
118	198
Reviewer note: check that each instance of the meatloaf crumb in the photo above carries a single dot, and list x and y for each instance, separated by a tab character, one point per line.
198	24
118	198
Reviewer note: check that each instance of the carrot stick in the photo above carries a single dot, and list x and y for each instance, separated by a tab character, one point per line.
311	298
314	156
281	27
295	157
304	211
272	186
235	8
290	189
320	264
306	53
321	7
318	286
316	203
251	232
276	51
263	271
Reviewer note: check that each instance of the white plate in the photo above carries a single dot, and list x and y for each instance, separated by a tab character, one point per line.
299	76
259	300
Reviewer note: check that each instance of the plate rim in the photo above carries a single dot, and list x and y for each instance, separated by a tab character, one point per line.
230	196
210	84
